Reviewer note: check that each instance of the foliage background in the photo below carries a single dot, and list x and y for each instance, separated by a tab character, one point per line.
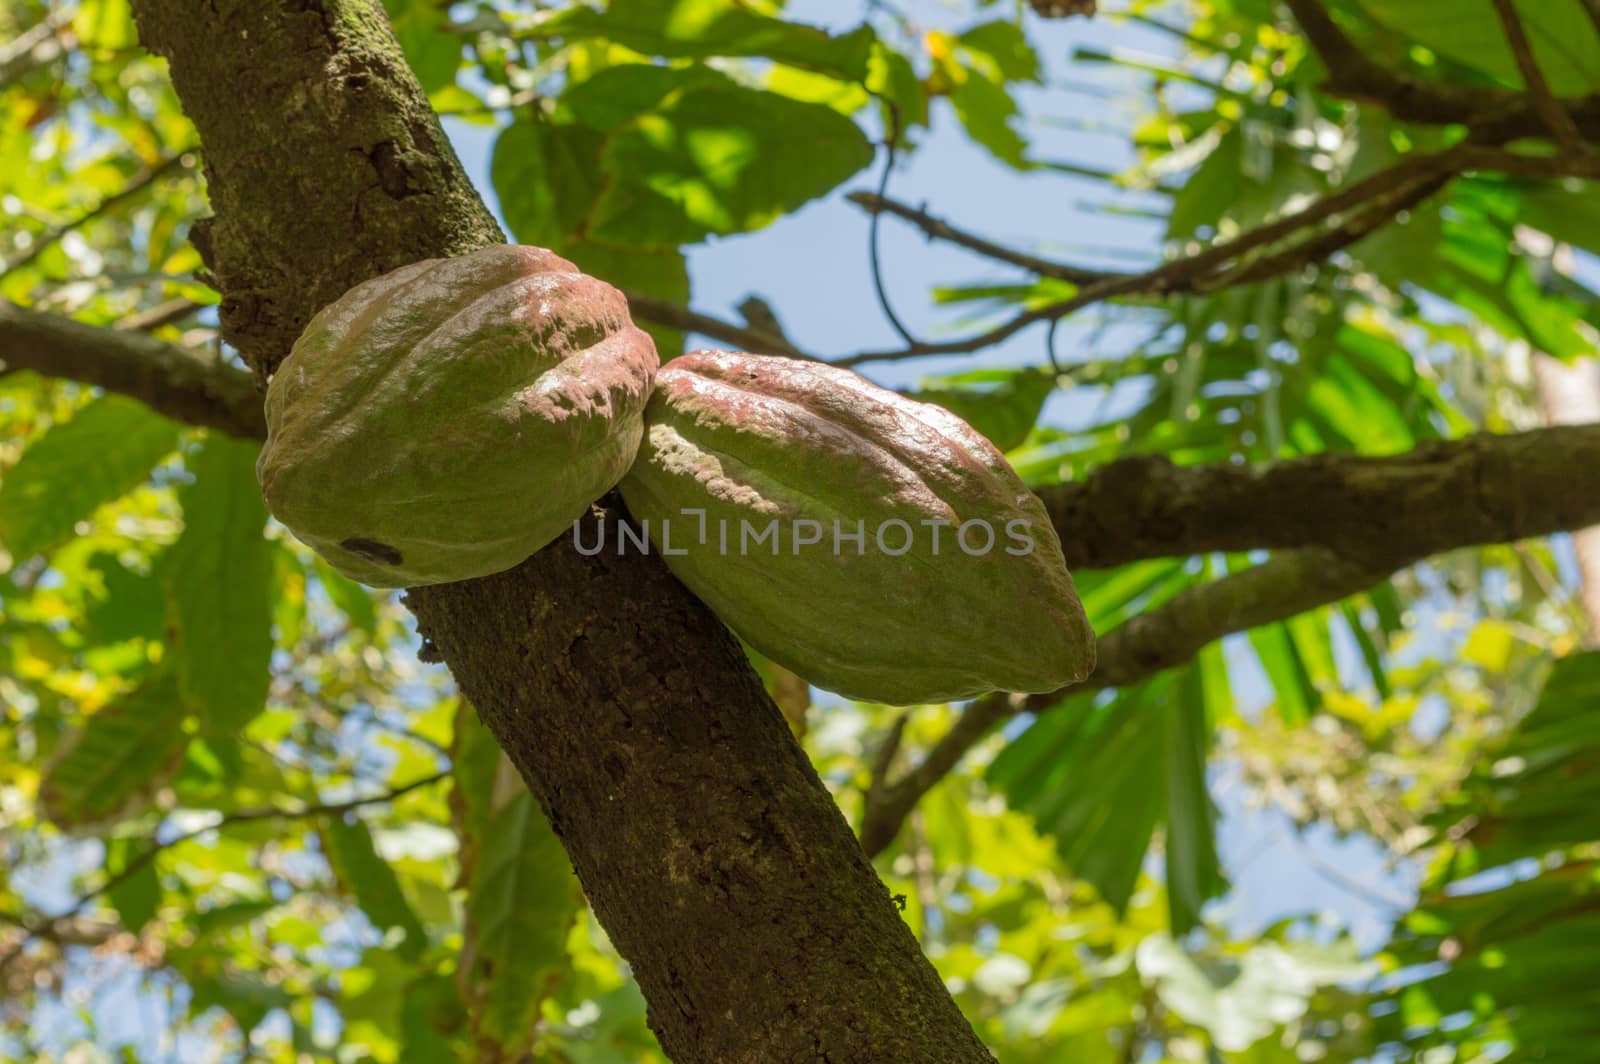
241	821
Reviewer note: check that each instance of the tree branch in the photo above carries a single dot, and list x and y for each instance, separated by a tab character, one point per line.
170	380
1349	213
49	237
1356	520
937	229
1496	115
36	46
138	863
1440	496
1168	636
1556	118
745	338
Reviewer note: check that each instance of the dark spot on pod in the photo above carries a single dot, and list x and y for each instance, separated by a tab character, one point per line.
372	550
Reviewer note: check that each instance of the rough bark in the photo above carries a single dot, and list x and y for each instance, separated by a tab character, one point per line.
165	377
707	845
1440	496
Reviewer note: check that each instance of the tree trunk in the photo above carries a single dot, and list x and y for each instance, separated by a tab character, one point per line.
707	845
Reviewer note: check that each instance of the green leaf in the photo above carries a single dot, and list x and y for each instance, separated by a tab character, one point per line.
986	111
1003	49
522	895
100	454
359	869
1563	37
615	94
353	600
117	758
137	897
219	585
1001	404
432	49
246	996
701	29
721	159
543	174
1192	872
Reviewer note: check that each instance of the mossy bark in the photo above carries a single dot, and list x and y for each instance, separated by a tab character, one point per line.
710	850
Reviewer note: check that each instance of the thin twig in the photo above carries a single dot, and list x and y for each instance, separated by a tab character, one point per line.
49	238
1555	117
138	863
874	257
172	310
1384	191
938	229
665	312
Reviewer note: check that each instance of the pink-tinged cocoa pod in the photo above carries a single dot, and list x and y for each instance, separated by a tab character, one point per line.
448	419
948	581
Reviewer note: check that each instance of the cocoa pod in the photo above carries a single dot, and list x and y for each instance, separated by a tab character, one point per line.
957	585
448	419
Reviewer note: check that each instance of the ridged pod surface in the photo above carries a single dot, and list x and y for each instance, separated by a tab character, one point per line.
915	611
448	419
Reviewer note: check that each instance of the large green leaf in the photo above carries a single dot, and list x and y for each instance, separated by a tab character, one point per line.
1504	946
543	174
118	757
721	159
1564	38
219	583
98	455
360	870
701	29
1101	777
522	895
1001	404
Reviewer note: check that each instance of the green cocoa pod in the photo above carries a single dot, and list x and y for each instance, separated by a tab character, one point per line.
752	466
448	419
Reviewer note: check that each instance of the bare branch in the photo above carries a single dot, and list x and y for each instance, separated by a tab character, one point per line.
36	46
937	229
1348	214
1556	118
137	864
47	239
173	310
665	312
165	377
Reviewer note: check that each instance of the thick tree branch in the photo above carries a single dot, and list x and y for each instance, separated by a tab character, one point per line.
1556	118
1496	115
1335	221
1357	520
1440	496
167	378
